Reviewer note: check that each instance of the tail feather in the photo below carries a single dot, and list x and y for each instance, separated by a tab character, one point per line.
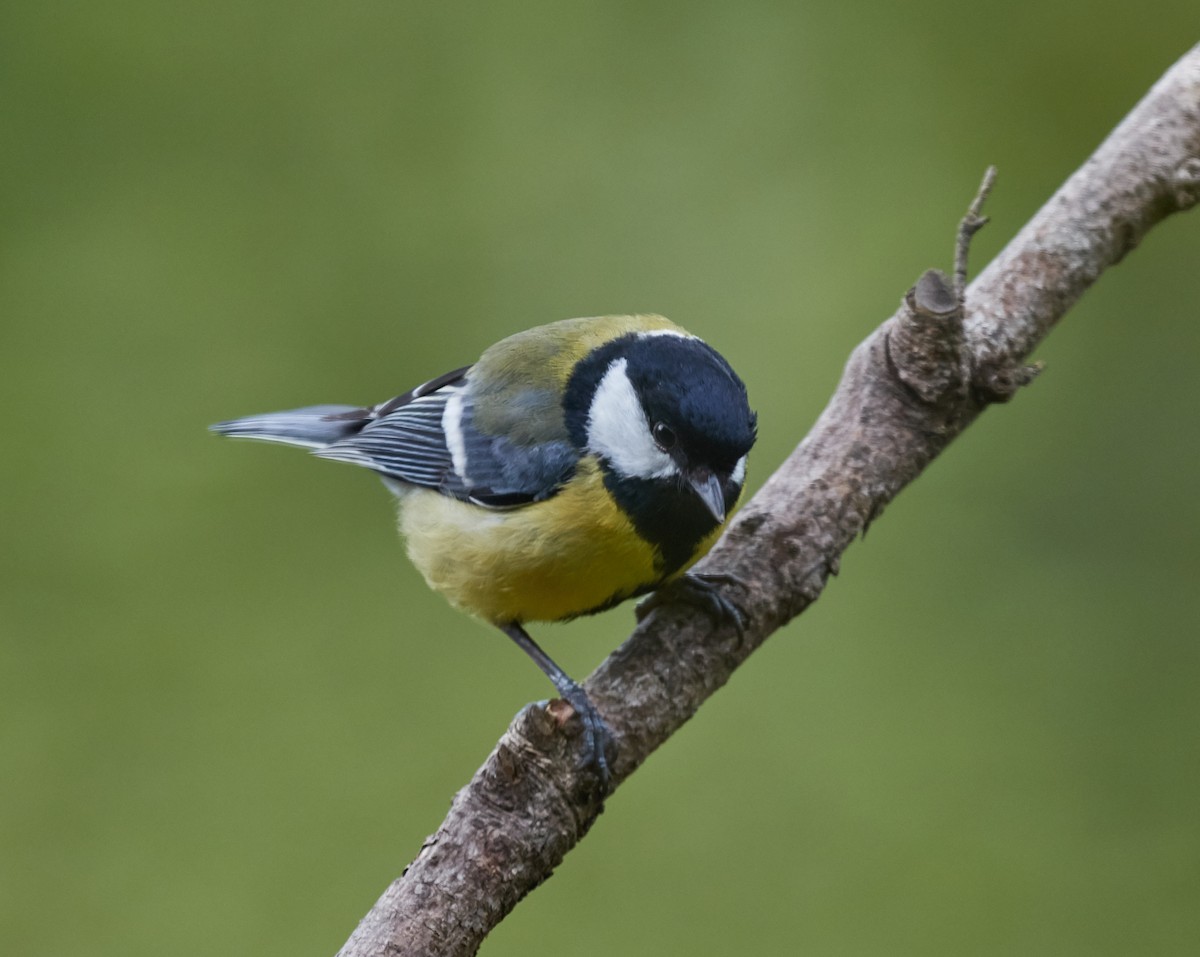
313	427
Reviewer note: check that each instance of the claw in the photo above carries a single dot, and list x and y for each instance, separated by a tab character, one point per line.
598	741
700	589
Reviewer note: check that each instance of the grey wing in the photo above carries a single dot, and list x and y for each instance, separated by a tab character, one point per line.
428	438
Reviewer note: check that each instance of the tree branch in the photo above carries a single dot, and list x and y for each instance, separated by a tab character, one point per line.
915	383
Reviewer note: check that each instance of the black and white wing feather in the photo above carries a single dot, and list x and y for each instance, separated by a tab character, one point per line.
429	438
405	438
319	427
426	437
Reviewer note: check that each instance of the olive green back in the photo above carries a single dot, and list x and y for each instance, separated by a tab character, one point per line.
518	382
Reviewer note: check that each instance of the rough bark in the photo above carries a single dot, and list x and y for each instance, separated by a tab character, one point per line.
907	391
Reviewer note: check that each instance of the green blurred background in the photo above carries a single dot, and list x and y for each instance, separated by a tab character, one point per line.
229	709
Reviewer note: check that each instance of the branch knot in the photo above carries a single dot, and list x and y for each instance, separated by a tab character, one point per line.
925	346
1186	182
999	383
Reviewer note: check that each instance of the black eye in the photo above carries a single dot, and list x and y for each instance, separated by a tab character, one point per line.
664	436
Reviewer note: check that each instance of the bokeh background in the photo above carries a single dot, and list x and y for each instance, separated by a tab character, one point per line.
229	709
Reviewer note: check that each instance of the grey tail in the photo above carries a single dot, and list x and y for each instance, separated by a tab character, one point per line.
310	428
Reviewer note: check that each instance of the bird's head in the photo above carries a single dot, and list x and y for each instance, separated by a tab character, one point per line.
665	408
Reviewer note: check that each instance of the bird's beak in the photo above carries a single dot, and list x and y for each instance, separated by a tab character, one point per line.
708	487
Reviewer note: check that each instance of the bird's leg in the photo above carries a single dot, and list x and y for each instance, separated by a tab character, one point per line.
595	731
701	590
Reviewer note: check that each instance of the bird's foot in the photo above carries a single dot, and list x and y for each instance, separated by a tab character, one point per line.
597	739
701	590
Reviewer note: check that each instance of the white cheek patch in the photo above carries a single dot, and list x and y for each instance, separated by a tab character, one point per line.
738	475
618	430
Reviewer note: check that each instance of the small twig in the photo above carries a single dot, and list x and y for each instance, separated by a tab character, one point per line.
970	225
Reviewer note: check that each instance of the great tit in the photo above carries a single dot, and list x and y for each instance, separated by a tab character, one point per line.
575	465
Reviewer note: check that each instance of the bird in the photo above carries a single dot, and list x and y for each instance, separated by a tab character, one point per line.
573	466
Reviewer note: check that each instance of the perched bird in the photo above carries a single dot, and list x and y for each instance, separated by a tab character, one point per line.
575	465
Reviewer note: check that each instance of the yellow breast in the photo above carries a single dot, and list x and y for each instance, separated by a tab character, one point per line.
573	553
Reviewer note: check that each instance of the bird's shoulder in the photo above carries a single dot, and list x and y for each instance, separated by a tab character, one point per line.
492	433
518	384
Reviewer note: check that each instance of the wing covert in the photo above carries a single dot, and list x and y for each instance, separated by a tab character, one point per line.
428	437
